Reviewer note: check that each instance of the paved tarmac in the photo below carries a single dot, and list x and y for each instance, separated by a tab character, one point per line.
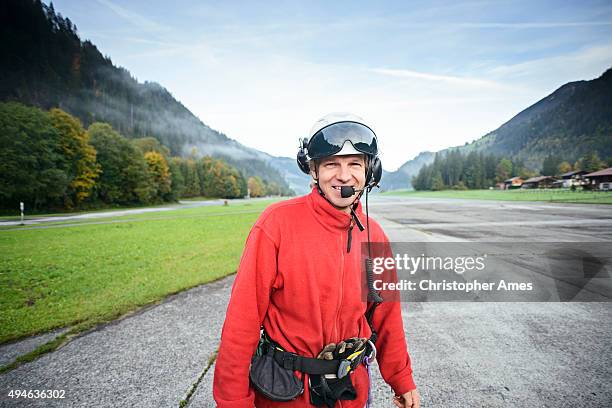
464	354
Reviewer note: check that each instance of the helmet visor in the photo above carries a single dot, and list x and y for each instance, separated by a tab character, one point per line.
329	140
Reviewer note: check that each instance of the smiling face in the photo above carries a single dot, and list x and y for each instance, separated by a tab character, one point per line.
337	171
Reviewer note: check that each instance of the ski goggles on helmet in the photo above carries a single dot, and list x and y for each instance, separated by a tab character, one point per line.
329	140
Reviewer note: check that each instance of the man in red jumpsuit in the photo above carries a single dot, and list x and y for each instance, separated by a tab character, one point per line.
299	279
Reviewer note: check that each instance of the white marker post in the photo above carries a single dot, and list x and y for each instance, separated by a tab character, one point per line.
21	208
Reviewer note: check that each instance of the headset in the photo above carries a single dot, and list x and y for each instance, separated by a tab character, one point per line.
373	173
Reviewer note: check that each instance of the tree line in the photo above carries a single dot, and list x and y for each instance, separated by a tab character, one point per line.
590	162
47	65
478	170
49	161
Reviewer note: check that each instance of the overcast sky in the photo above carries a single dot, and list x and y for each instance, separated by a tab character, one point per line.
426	75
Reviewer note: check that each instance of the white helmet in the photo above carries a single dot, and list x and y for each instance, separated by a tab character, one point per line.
336	117
329	137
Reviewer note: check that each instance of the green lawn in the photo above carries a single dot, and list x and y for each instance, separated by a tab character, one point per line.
552	195
89	273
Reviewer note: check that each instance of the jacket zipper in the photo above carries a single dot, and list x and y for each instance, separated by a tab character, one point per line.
340	289
348	249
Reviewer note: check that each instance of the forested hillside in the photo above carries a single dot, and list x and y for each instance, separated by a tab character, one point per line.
574	120
44	63
50	162
572	125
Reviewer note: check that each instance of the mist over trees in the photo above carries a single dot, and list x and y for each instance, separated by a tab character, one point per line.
50	161
44	63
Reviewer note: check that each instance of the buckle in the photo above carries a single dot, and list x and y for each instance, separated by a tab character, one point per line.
372	355
343	368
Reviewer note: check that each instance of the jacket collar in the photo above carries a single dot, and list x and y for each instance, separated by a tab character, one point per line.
328	215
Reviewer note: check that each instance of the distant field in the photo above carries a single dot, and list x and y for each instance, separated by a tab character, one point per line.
560	196
100	269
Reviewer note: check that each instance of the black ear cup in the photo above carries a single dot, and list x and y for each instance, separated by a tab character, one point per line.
374	172
302	158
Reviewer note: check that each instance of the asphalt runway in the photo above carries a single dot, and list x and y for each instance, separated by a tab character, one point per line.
42	220
474	354
442	220
524	354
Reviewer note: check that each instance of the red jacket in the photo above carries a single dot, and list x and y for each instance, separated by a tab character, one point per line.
297	279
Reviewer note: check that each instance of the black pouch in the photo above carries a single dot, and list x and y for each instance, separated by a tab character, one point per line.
272	380
326	391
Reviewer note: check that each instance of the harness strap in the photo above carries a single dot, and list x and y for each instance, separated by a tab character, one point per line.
316	366
294	362
368	314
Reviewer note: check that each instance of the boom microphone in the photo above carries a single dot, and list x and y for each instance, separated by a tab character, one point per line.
348	191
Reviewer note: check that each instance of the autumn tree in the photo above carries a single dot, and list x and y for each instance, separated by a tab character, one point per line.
82	169
256	187
159	173
151	144
564	167
219	179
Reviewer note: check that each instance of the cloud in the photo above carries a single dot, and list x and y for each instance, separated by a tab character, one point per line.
521	25
270	103
204	53
135	19
590	61
456	80
426	78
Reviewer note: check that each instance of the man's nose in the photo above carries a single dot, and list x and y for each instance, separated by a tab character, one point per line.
344	174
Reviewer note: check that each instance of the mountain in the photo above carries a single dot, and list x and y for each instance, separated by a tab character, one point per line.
400	179
298	181
570	122
574	120
44	63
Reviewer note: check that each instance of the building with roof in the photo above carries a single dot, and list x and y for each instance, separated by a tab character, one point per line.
599	180
511	183
571	178
539	182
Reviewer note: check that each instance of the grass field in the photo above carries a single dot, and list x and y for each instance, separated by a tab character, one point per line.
551	195
87	272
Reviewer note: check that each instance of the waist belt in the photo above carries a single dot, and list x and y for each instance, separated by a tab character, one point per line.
315	366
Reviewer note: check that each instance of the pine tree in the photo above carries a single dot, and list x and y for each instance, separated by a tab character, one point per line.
503	170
